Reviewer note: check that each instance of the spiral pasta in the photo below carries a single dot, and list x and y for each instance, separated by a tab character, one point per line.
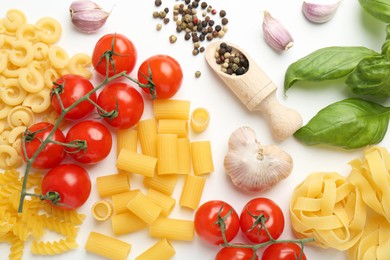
372	176
328	208
17	228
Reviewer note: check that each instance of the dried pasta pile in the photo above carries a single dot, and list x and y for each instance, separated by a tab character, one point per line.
29	62
350	213
167	155
37	218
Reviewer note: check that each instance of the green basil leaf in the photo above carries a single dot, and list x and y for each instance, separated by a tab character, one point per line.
379	9
325	64
350	123
371	77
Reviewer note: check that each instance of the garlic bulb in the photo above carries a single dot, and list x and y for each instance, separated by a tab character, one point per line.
253	167
87	16
275	34
319	13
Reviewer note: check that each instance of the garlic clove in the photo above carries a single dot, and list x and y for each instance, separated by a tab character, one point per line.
253	167
319	13
87	16
275	34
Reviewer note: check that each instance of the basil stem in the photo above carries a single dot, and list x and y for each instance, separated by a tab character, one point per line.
326	64
371	77
350	123
379	9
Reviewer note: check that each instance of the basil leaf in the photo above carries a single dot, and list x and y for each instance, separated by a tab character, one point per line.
350	123
371	77
325	64
379	9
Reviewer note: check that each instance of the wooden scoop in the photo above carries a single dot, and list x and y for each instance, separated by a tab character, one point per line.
258	93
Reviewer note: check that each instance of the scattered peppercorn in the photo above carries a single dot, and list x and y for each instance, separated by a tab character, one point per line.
158	26
196	27
172	39
197	74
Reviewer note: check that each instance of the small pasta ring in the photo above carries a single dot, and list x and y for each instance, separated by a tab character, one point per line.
102	210
200	119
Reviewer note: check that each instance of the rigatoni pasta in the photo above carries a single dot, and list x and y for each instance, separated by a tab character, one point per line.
165	202
112	184
163	183
192	191
162	250
126	139
171	109
173	126
106	246
202	159
120	200
136	163
167	154
184	155
172	229
144	208
126	222
147	133
102	210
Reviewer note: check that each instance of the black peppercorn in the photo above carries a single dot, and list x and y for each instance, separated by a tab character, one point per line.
222	13
158	2
224	21
240	71
222	51
187	36
203	5
218	28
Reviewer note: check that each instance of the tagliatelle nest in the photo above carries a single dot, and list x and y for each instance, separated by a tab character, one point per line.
328	208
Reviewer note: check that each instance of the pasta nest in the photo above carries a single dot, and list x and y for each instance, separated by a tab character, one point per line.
375	241
326	207
371	176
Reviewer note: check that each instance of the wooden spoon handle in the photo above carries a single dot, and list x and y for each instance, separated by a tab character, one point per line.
283	121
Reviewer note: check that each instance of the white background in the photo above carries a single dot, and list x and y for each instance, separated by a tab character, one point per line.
350	27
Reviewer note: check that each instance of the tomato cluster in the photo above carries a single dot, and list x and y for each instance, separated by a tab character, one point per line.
261	220
75	98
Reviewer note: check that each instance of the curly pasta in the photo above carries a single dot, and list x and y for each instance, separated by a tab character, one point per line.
53	248
372	176
328	208
30	62
17	228
70	216
9	157
20	116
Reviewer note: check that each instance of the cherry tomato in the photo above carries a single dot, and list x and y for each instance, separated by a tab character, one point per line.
283	251
121	51
206	218
129	103
71	182
272	214
73	88
52	154
234	253
165	73
97	137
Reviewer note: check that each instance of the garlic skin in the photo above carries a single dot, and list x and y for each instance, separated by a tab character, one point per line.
87	16
275	34
319	13
253	167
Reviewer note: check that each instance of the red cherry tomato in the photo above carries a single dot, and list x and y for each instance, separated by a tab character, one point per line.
71	182
129	103
52	154
273	216
206	218
283	251
74	87
97	137
165	73
122	55
234	253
